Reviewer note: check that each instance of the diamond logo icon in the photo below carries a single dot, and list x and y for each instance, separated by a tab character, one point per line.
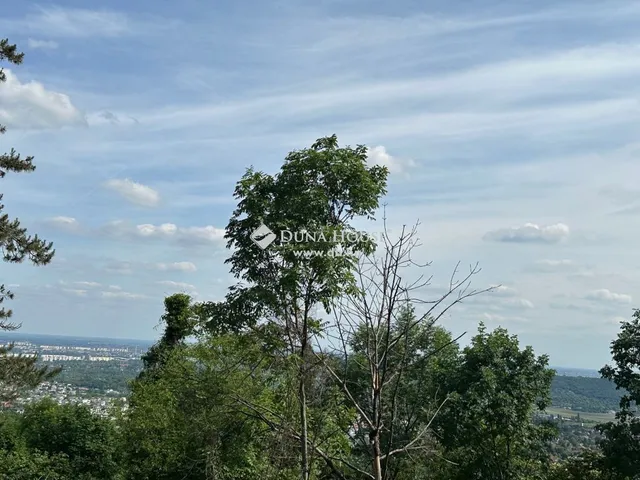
263	236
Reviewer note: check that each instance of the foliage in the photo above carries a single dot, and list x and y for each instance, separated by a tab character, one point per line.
585	393
586	466
24	465
487	427
316	194
99	376
318	190
621	439
89	442
57	442
426	355
185	419
179	324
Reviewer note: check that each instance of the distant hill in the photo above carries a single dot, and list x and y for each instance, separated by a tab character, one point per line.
585	394
576	372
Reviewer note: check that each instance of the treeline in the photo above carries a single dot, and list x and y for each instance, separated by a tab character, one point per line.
225	407
586	394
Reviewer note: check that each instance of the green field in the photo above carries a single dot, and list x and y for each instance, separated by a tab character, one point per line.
586	416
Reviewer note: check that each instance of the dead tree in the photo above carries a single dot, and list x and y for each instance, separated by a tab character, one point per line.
371	318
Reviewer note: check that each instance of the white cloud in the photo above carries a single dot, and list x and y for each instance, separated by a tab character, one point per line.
168	231
202	234
123	295
530	233
177	285
42	44
69	224
379	156
76	292
176	266
129	268
149	230
502	319
134	192
32	106
188	235
115	287
605	295
507	299
503	291
87	284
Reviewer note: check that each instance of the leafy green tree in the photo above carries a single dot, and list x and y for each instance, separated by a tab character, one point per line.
586	466
487	428
24	465
621	439
17	245
88	441
186	423
17	462
318	191
179	322
10	438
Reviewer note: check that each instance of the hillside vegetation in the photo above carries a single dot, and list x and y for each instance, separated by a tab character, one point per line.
586	394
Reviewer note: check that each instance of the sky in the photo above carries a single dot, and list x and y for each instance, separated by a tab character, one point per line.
510	130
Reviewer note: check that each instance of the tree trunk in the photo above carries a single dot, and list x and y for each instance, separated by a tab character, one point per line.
375	447
302	397
304	445
374	436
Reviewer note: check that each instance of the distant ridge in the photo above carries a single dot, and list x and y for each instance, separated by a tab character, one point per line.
576	372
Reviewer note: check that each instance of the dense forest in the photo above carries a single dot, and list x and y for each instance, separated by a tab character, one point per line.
97	375
586	394
323	362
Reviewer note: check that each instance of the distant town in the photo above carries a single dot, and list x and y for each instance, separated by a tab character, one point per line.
95	371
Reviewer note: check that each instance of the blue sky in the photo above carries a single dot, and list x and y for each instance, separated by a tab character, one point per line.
511	131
